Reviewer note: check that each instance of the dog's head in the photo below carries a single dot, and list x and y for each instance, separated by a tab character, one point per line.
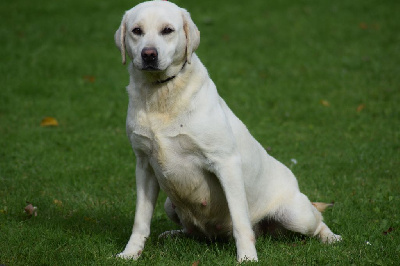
157	35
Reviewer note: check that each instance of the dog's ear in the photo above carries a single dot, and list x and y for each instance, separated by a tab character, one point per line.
192	35
119	38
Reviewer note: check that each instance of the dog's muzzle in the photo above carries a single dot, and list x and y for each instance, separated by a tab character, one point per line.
149	58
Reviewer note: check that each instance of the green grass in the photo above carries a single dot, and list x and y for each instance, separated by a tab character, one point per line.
272	61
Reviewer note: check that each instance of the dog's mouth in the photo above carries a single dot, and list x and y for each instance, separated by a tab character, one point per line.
150	68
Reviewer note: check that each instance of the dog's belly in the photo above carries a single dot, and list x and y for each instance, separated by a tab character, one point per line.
182	173
198	198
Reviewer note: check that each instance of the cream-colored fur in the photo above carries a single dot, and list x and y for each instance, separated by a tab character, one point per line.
218	178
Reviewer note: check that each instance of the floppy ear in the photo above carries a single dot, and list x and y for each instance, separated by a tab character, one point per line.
119	38
192	35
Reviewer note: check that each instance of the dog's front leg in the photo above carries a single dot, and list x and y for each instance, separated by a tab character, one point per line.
229	173
147	192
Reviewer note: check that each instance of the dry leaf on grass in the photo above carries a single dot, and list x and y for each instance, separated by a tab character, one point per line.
4	210
58	202
89	219
49	122
391	229
360	108
90	79
31	210
196	263
363	25
324	103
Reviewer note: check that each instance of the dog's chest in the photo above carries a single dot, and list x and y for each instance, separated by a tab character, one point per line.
174	154
144	130
165	142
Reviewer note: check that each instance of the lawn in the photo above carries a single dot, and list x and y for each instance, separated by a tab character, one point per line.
316	82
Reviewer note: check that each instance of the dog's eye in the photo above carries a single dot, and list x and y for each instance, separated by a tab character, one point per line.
137	31
166	31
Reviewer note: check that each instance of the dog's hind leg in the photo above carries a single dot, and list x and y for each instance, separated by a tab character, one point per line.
299	215
169	208
172	214
172	233
325	234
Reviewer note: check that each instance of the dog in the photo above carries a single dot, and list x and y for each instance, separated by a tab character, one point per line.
219	180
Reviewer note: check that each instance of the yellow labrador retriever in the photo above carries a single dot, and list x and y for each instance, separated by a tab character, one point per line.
219	180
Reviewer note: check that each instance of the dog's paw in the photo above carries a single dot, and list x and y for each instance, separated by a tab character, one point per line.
250	254
331	239
127	255
246	258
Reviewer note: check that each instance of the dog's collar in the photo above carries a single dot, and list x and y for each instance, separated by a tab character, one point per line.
172	77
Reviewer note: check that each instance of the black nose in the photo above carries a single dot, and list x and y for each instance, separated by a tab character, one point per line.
149	55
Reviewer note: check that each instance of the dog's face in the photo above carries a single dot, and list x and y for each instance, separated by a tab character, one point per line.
157	35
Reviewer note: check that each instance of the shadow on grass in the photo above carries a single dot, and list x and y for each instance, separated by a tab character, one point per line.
105	231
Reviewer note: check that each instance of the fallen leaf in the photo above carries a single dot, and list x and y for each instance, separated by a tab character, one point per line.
360	108
4	210
363	26
90	79
196	263
226	37
391	229
31	210
88	219
58	202
49	122
324	103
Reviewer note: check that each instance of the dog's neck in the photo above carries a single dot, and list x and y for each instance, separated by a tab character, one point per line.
154	78
170	96
158	91
171	77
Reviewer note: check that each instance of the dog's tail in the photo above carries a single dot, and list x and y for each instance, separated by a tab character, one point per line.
321	206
